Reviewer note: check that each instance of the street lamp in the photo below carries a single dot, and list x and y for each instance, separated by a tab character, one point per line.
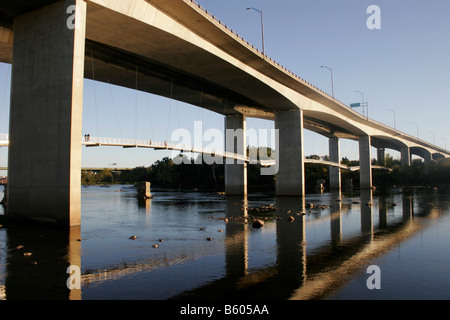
445	143
394	117
332	81
362	94
417	125
434	142
262	27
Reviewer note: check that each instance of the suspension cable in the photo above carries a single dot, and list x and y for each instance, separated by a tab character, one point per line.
95	95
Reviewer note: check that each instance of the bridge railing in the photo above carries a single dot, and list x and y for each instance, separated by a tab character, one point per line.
98	141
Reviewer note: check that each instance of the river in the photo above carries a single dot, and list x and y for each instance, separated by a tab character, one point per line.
193	245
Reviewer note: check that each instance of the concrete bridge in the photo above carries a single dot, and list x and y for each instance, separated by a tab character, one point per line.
172	48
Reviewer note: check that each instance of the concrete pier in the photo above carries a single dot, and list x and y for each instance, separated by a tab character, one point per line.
381	156
144	190
365	164
290	179
335	172
235	142
44	181
405	157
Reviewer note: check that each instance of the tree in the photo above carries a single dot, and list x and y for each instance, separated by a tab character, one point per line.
87	177
105	176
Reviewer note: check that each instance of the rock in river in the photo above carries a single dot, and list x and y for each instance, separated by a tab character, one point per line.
257	223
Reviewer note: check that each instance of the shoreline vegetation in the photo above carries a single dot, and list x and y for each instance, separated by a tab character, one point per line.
166	174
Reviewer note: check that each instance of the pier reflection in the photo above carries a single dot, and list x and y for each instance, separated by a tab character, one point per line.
37	261
299	273
314	250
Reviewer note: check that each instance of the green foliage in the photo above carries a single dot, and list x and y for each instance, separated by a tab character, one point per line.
314	172
189	174
103	177
88	177
434	173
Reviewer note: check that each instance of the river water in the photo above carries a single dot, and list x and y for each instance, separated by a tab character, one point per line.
193	245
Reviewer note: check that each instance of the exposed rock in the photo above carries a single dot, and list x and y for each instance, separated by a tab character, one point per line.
257	223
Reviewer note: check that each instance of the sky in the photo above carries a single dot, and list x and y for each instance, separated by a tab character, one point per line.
402	69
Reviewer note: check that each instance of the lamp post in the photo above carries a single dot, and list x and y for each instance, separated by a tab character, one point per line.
434	141
332	81
417	126
262	27
394	117
362	94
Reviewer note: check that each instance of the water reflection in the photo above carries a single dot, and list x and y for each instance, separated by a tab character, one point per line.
37	260
302	252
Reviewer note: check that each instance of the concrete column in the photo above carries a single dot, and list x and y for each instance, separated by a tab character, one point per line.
290	179
405	157
365	165
235	142
44	177
427	157
335	172
381	157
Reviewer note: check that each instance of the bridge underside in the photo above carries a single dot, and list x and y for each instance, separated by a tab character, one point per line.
111	65
123	51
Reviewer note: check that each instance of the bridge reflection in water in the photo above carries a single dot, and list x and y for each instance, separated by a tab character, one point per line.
298	265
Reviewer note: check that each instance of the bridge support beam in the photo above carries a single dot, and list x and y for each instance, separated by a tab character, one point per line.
405	157
381	156
427	158
44	180
235	142
290	179
335	172
365	164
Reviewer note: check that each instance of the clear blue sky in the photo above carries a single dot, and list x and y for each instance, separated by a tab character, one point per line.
404	66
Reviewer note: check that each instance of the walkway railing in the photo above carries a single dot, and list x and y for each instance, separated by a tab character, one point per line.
134	143
140	143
